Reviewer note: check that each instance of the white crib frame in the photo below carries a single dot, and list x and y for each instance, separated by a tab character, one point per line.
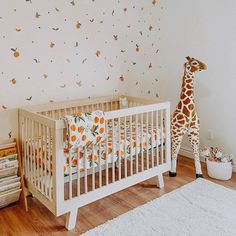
55	201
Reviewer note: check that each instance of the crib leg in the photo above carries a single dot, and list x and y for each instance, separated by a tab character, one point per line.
71	219
160	181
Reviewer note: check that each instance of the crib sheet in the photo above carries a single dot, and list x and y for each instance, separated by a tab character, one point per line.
130	143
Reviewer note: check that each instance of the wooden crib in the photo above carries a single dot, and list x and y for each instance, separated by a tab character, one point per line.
42	131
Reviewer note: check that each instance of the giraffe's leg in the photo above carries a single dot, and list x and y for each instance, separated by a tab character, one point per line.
176	143
193	135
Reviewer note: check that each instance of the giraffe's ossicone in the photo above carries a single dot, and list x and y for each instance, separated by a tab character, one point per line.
185	118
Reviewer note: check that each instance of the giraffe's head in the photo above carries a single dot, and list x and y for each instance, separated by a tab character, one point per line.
195	65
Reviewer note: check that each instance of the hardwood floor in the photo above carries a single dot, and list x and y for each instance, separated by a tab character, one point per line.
40	221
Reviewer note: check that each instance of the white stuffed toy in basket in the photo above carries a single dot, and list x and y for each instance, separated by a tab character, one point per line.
219	165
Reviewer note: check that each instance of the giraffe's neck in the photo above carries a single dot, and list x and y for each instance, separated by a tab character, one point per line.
187	84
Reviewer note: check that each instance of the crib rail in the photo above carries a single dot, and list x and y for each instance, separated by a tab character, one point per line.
137	147
37	145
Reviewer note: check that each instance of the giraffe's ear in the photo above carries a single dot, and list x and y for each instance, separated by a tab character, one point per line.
188	58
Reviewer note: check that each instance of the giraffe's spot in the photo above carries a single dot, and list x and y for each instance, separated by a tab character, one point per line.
189	92
194	133
181	122
187	101
180	117
190	106
188	81
183	96
180	105
186	111
189	86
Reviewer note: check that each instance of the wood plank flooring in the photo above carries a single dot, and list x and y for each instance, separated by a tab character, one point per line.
40	221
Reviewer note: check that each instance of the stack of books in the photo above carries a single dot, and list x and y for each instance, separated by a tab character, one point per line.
10	186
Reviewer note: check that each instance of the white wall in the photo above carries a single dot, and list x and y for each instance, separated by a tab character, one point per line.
204	30
30	27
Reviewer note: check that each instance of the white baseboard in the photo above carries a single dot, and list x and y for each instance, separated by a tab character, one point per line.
187	152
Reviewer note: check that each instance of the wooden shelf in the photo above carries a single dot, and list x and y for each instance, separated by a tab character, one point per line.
12	187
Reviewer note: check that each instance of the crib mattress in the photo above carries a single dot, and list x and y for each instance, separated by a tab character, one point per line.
119	146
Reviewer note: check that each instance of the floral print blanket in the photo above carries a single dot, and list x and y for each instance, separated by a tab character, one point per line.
85	129
129	144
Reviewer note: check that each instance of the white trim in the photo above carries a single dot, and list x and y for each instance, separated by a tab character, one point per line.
187	152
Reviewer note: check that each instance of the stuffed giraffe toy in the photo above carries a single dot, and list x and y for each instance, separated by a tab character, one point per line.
185	118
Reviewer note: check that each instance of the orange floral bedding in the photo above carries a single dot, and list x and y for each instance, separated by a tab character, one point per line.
140	138
128	144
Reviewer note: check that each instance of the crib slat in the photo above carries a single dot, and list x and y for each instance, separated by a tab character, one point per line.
162	140
166	132
41	158
70	179
157	138
107	136
125	148
45	158
100	167
50	162
131	141
93	171
24	133
85	171
136	142
152	138
27	148
107	107
142	157
78	171
147	146
119	156
33	153
38	156
59	114
46	161
113	150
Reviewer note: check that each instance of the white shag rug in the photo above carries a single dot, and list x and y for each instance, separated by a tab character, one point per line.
198	208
